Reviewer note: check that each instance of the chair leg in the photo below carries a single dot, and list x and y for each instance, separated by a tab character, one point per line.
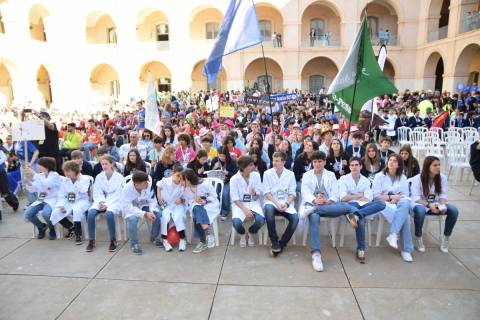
232	236
305	233
369	232
342	232
379	229
333	231
125	229
440	223
215	232
471	188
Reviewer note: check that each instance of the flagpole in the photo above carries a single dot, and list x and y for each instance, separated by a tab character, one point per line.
268	85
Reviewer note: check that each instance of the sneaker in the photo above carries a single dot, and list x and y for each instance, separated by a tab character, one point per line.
182	246
223	218
158	243
352	219
200	247
361	256
418	244
167	245
52	235
42	231
276	249
210	241
307	211
70	233
392	240
243	240
251	240
444	245
78	240
317	262
137	249
90	246
113	246
407	256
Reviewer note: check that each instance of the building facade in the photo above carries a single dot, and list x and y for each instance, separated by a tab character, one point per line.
77	53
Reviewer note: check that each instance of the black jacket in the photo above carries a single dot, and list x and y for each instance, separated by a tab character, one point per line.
349	151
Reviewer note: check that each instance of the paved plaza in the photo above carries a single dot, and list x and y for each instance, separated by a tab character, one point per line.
42	279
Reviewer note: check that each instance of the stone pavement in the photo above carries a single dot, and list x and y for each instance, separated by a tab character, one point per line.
42	279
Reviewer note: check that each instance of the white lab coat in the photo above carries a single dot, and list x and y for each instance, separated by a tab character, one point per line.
81	204
108	191
239	188
133	201
171	192
347	186
280	187
382	184
416	190
205	189
48	184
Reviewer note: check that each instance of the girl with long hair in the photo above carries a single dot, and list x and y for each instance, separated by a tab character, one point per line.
410	165
372	163
337	160
134	163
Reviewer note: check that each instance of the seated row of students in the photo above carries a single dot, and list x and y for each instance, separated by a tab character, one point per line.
352	196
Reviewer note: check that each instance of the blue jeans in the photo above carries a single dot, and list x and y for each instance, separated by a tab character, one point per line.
238	224
87	147
31	196
401	224
92	213
132	226
31	215
362	212
419	213
200	217
226	205
270	213
328	210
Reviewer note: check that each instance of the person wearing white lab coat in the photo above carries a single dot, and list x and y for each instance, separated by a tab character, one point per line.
320	199
391	186
73	199
245	191
107	192
279	187
45	184
430	196
202	201
172	205
356	190
138	202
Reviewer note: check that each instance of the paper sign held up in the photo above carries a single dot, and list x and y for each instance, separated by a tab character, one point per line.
28	130
227	112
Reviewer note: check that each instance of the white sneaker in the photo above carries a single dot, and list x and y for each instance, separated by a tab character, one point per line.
418	243
200	247
307	210
167	245
251	240
406	256
317	262
182	246
444	245
392	240
210	241
243	240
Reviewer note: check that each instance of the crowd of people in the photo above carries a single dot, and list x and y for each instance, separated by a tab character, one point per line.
302	163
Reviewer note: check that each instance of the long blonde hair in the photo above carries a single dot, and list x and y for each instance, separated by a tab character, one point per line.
166	155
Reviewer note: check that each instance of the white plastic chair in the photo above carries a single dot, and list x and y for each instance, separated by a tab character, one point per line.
418	142
403	135
458	160
441	134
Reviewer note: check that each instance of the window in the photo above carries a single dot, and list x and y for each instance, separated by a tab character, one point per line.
164	84
211	31
161	32
372	26
115	88
112	35
262	83
266	30
318	25
315	83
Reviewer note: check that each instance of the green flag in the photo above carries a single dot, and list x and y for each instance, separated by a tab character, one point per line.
360	66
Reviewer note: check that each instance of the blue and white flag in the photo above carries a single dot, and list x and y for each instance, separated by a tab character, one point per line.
239	30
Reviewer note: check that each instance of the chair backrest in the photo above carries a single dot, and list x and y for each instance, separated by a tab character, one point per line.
404	133
440	132
418	138
218	186
420	129
452	136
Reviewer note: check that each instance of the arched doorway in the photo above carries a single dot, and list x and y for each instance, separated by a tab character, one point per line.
37	27
467	67
43	85
389	71
324	18
382	23
100	28
318	73
255	75
162	79
433	74
437	20
6	89
199	81
205	23
104	82
152	26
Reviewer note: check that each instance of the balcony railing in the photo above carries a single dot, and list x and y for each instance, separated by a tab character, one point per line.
322	41
388	40
439	34
471	22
